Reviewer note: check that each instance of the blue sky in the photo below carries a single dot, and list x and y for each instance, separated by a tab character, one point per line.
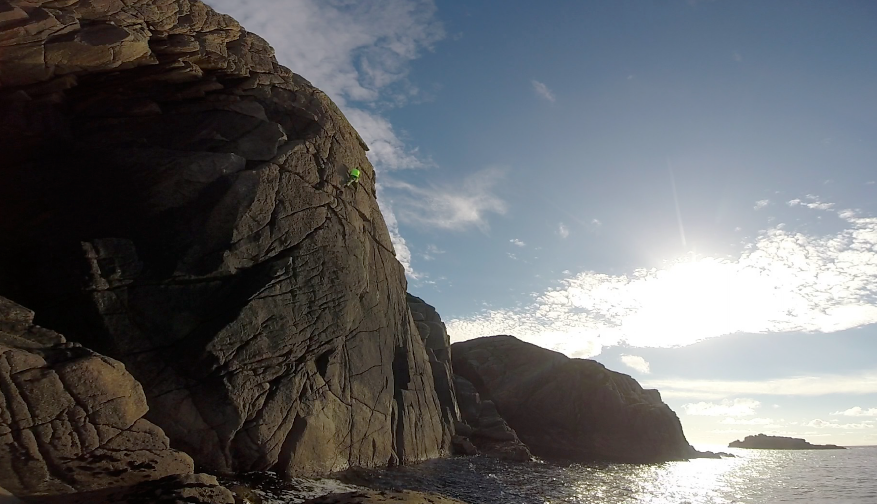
683	190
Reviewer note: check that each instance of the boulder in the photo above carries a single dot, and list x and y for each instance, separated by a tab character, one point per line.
564	408
72	421
485	428
173	198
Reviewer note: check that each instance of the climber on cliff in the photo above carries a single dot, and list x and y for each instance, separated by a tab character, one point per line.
353	177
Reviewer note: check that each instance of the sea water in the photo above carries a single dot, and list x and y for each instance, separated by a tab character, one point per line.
753	477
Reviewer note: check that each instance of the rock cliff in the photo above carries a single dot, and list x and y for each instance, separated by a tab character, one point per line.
172	198
573	409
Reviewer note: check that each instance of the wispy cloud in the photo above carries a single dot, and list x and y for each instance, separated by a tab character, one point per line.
809	386
784	281
431	251
542	91
636	363
857	412
761	204
454	207
518	243
730	408
563	230
834	424
812	202
749	421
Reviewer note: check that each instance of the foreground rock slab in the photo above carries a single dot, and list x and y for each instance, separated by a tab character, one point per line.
71	420
572	409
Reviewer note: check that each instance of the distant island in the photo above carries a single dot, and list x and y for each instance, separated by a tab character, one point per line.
764	442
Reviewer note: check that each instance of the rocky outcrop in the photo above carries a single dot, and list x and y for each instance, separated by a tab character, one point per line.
570	408
172	198
765	442
438	347
480	429
72	420
484	428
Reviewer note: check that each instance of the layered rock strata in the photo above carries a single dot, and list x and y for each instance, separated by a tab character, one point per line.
174	200
72	421
573	409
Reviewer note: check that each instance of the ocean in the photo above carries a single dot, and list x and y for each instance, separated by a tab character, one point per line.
755	476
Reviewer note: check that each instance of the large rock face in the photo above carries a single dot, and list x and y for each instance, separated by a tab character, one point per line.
174	200
571	408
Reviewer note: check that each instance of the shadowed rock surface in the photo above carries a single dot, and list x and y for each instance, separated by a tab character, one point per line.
765	442
172	199
573	409
484	427
438	346
72	420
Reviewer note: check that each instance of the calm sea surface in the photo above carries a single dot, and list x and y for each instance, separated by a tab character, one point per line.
755	476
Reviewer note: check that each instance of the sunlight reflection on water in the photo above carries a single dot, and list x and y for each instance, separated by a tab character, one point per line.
754	477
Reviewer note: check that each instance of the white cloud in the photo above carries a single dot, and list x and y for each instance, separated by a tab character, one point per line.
749	421
822	424
813	203
784	281
637	363
858	412
862	383
761	204
449	206
563	230
386	150
730	408
542	91
517	242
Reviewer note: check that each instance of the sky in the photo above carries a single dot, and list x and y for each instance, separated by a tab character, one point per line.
682	190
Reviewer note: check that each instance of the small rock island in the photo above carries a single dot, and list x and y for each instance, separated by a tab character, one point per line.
765	442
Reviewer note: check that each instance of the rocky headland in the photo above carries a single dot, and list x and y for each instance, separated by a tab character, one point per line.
187	283
765	442
571	408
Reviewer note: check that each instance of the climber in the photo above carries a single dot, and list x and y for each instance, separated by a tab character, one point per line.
353	177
